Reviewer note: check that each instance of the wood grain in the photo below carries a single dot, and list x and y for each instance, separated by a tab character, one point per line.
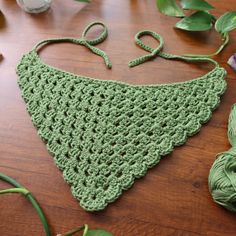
173	198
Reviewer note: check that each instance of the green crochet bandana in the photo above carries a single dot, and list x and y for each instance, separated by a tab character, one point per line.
105	134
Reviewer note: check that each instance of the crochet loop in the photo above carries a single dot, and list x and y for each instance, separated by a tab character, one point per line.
154	52
88	43
100	38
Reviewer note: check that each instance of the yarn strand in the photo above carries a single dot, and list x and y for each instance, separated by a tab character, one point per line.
232	126
88	43
154	52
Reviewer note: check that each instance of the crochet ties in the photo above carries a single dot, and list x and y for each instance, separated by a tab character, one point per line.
154	52
88	43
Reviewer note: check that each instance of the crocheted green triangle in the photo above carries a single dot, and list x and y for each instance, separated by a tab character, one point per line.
105	134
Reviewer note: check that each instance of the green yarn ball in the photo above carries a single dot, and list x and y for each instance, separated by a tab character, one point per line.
222	180
222	177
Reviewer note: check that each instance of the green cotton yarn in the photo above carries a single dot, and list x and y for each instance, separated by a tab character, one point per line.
222	177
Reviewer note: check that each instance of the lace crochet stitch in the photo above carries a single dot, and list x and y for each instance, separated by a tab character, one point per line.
105	134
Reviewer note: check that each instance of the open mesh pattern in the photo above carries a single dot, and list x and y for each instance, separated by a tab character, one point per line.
104	134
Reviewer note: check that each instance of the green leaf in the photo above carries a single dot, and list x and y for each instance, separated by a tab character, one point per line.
198	21
226	22
169	8
97	232
199	5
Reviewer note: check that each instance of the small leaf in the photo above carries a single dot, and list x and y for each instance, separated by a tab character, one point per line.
200	5
226	22
169	8
98	232
198	21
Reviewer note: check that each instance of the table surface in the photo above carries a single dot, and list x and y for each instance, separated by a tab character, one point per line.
173	198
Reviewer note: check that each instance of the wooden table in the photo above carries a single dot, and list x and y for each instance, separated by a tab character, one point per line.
173	198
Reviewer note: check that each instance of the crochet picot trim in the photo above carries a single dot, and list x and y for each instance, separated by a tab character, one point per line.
105	134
